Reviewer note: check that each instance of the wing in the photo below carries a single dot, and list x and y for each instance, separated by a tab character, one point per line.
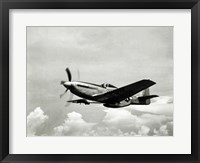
82	101
122	93
79	101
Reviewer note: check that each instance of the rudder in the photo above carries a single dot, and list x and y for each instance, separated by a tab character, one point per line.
145	93
145	98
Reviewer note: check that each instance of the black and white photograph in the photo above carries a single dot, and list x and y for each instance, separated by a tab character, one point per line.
99	81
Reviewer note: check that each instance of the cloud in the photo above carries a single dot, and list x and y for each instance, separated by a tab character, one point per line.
144	130
162	100
164	130
108	131
143	124
119	122
73	125
116	122
119	118
161	105
35	120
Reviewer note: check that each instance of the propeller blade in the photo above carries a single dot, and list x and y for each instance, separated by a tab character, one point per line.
78	75
68	74
62	82
61	95
70	98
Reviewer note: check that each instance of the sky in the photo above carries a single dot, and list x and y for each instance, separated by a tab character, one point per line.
116	55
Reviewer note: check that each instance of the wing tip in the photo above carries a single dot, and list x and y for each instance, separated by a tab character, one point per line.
149	80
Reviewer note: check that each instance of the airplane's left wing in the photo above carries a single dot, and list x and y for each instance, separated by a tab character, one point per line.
82	101
123	93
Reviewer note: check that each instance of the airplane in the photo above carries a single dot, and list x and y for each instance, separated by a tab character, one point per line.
108	94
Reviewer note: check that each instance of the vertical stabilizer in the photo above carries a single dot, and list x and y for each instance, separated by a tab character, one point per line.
143	99
145	93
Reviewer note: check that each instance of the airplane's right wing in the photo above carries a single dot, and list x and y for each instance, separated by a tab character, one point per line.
123	93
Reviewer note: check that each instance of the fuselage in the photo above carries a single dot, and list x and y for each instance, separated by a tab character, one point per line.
86	90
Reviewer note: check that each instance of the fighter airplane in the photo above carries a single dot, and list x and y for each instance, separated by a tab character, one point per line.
108	94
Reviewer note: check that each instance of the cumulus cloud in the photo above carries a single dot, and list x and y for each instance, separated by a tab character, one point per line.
120	118
164	130
161	105
73	125
151	120
117	122
108	131
162	100
144	124
144	130
35	120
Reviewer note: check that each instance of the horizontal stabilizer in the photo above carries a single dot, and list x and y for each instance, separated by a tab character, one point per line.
146	97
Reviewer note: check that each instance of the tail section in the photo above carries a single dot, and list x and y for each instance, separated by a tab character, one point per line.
144	99
145	94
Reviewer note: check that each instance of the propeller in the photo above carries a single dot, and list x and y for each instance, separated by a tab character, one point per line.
68	74
61	95
62	82
78	72
70	98
67	70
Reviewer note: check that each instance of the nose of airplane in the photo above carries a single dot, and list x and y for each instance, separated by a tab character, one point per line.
67	84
